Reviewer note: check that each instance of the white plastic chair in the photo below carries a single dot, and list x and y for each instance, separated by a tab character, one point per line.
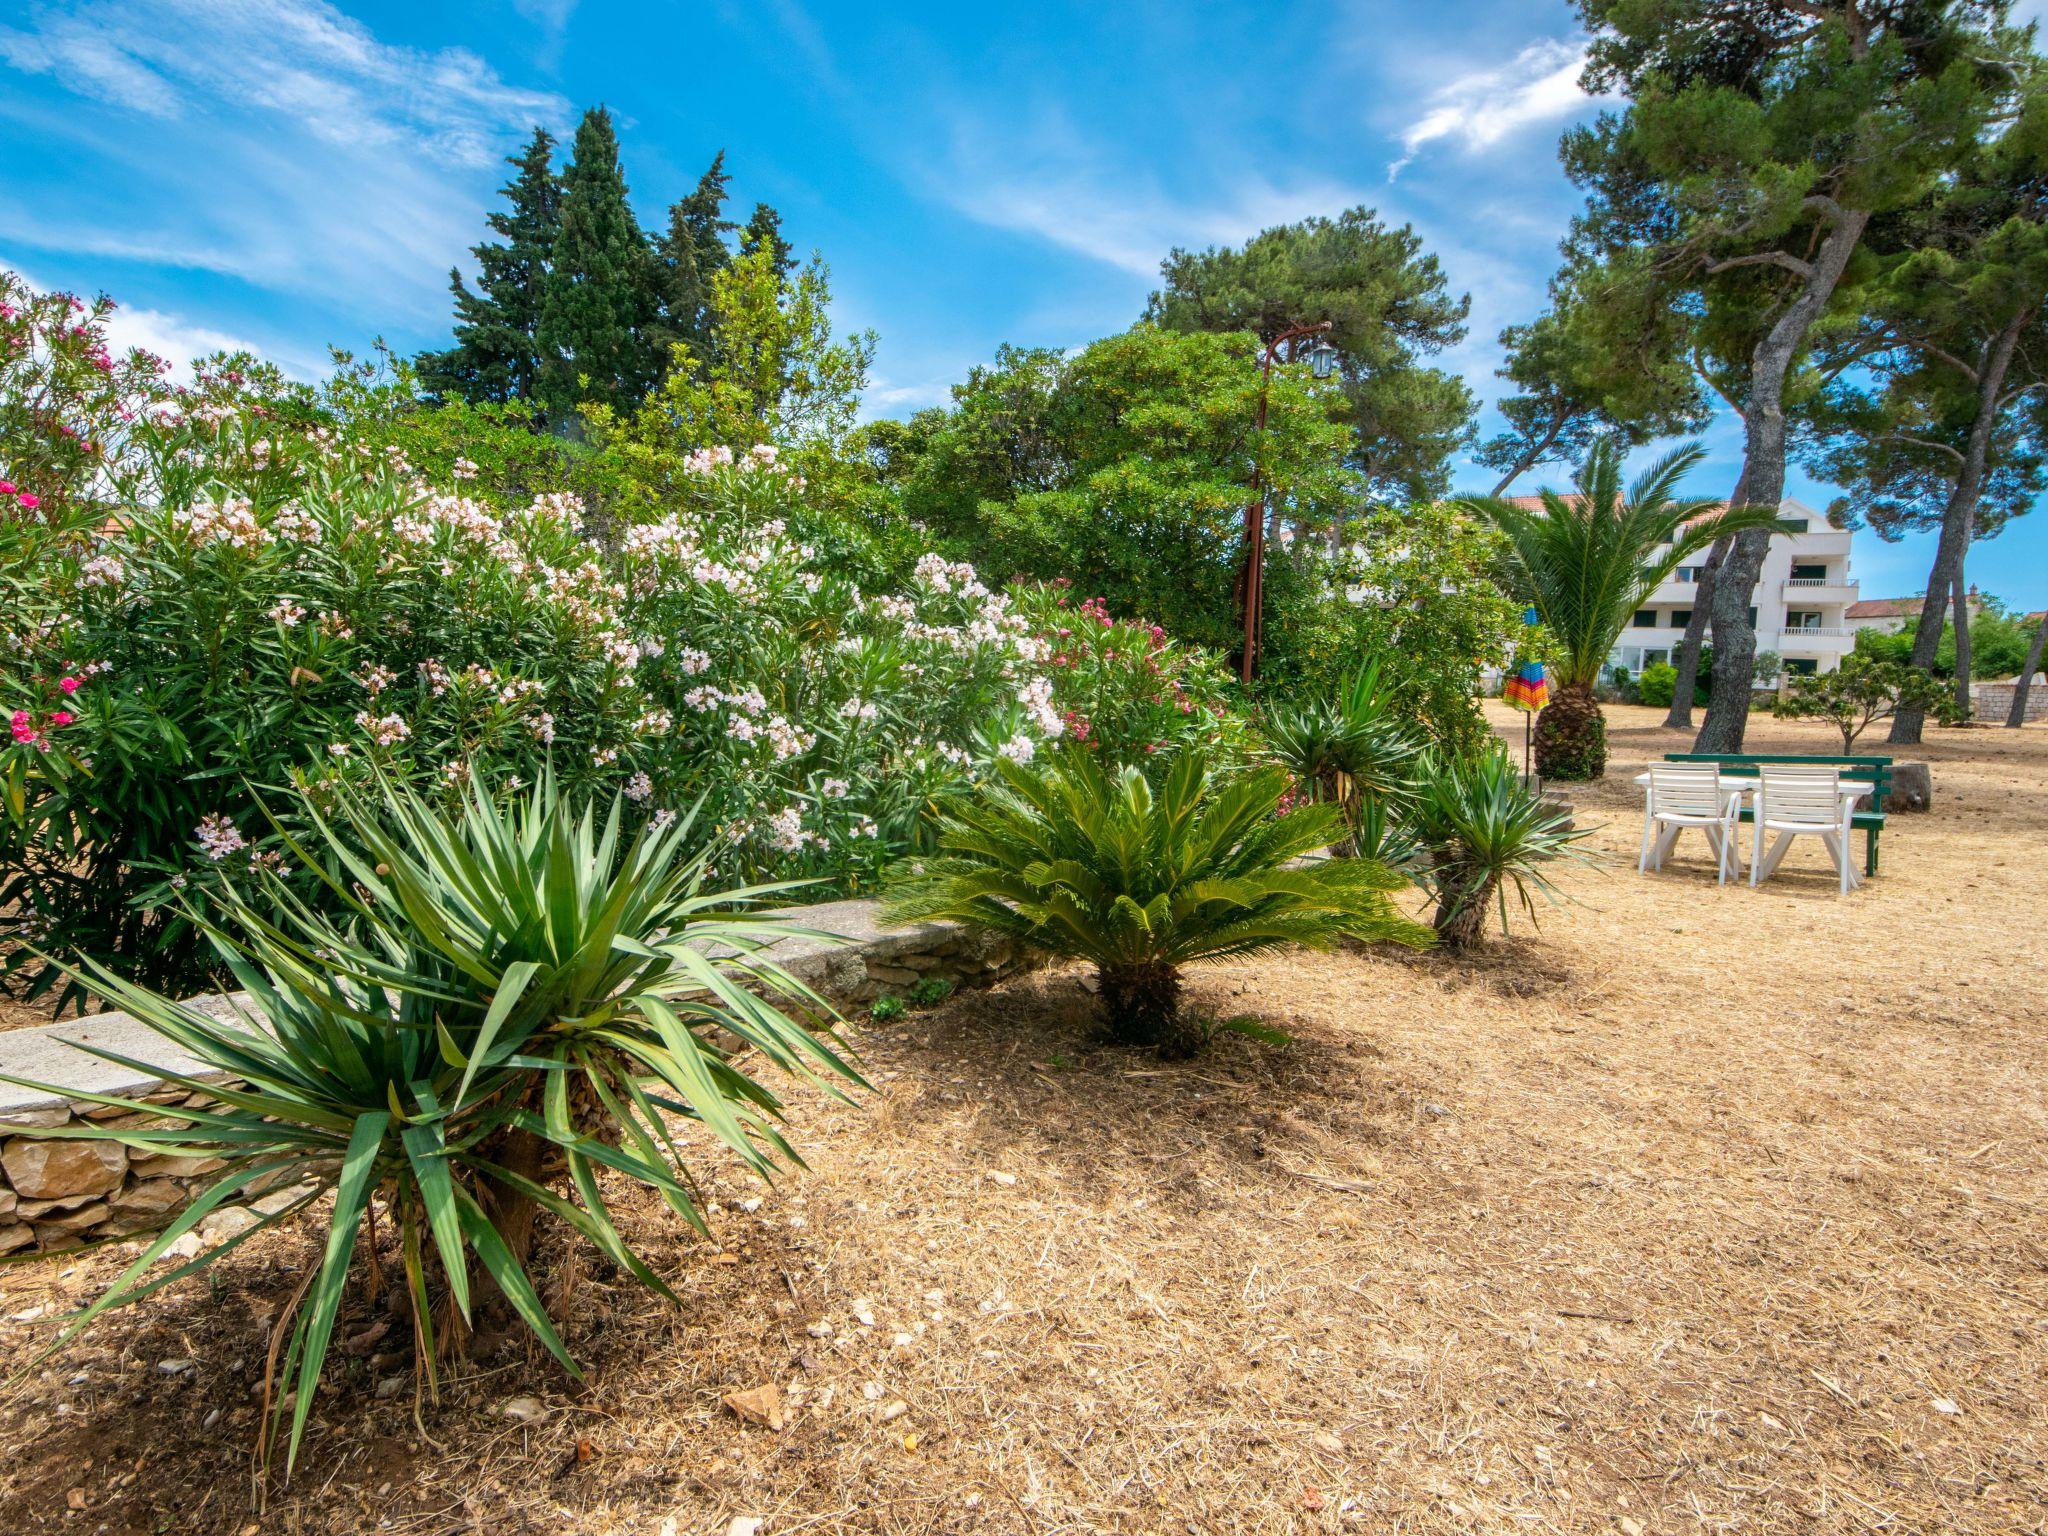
1795	801
1685	795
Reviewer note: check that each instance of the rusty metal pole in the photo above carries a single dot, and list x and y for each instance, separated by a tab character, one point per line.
1251	581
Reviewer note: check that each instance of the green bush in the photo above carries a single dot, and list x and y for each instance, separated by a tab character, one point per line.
514	1000
271	608
1140	882
927	990
1657	685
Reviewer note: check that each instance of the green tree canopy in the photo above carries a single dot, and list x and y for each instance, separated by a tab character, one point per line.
1389	311
1598	362
496	356
1126	468
1760	139
601	296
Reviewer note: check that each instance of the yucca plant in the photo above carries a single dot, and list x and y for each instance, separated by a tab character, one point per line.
1481	831
517	996
1352	751
1586	562
1142	881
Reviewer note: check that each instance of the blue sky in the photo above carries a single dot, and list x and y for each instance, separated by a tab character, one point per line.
289	173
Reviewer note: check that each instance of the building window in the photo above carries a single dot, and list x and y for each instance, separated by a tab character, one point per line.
1752	618
1796	618
1646	618
1792	524
1809	573
1680	617
1688	573
1803	666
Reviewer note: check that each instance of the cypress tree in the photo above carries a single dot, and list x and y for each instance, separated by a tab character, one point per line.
765	229
496	356
690	254
601	296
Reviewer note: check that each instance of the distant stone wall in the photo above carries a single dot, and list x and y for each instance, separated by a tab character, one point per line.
61	1193
1992	702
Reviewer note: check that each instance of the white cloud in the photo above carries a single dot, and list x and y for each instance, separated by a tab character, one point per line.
1539	85
1061	192
884	398
282	142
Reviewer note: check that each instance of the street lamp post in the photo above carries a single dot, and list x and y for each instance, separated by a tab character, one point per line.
1251	581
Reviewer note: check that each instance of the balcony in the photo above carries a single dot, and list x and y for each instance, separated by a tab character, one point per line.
1815	642
1802	590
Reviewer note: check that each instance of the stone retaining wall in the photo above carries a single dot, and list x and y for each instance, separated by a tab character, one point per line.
1992	702
58	1194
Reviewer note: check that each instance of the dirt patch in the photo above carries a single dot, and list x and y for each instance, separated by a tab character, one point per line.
1702	1210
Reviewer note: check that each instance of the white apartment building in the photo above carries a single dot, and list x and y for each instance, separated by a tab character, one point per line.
1800	605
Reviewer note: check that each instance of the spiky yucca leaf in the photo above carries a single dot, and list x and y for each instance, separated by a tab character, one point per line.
512	978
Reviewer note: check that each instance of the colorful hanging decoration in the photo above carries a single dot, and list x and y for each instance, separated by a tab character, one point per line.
1528	687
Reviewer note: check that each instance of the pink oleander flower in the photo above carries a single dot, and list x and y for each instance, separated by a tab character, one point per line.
67	685
28	501
7	487
61	717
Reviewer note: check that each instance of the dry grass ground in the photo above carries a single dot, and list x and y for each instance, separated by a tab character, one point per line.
1704	1210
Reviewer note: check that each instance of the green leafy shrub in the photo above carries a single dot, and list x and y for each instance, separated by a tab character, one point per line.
928	990
887	1009
272	607
1125	691
516	998
1658	685
1859	693
1480	831
1141	881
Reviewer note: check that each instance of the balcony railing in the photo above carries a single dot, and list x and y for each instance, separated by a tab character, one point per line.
1790	636
1818	581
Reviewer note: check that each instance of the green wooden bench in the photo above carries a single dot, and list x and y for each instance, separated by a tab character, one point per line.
1869	810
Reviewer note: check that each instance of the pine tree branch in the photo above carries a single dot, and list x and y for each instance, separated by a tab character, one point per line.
1792	264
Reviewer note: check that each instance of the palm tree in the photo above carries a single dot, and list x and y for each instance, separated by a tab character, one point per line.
1587	561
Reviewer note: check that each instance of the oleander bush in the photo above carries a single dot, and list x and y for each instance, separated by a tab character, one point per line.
263	604
510	998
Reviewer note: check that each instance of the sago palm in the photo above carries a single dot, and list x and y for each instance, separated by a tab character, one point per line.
1587	561
1141	881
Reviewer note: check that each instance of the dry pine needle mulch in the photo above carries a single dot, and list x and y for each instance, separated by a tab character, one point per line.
1703	1210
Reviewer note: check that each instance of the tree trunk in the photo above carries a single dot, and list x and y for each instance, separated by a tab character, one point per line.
2017	715
1680	716
1965	700
1461	918
1763	484
1141	1006
1533	457
1959	516
1571	735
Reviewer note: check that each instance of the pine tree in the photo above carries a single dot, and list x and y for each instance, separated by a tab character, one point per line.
1760	140
602	293
495	356
691	253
